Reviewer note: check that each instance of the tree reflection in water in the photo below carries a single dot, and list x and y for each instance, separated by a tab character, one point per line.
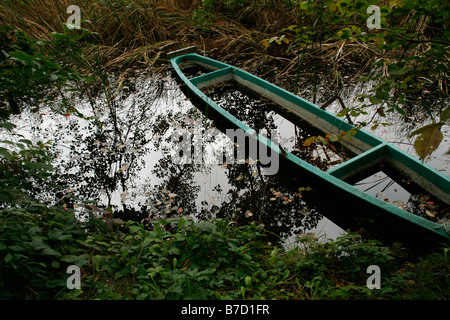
120	156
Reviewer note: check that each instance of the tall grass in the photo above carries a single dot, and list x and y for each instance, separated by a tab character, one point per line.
130	31
136	29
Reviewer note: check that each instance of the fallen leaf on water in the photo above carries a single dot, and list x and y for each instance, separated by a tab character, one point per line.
125	167
309	141
180	210
429	213
304	212
248	213
172	195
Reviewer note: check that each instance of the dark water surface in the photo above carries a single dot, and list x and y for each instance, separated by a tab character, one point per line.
122	155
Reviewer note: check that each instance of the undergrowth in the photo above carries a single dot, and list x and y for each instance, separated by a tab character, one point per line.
183	259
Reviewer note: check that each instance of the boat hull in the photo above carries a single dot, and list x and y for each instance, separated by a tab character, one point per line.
370	149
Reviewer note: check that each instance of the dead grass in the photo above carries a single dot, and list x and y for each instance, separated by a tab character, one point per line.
140	32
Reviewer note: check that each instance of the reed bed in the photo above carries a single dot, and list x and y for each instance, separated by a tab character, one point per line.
140	32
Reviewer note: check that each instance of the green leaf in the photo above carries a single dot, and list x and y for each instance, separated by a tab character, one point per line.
207	226
345	33
400	110
8	258
26	141
445	115
7	125
4	152
375	100
38	244
16	247
343	112
428	141
393	69
59	36
51	252
8	142
22	56
382	95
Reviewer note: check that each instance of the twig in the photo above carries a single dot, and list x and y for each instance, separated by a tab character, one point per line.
135	263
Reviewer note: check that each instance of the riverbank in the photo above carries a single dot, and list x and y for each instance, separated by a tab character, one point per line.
180	259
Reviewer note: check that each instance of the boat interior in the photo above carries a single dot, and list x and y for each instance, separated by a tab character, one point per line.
368	152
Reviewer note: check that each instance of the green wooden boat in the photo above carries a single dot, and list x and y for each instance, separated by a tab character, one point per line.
369	149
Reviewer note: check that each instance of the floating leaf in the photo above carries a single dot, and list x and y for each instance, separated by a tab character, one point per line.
248	214
323	140
309	141
429	213
125	167
172	195
333	137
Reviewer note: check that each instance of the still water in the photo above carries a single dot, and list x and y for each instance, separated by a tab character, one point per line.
120	154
